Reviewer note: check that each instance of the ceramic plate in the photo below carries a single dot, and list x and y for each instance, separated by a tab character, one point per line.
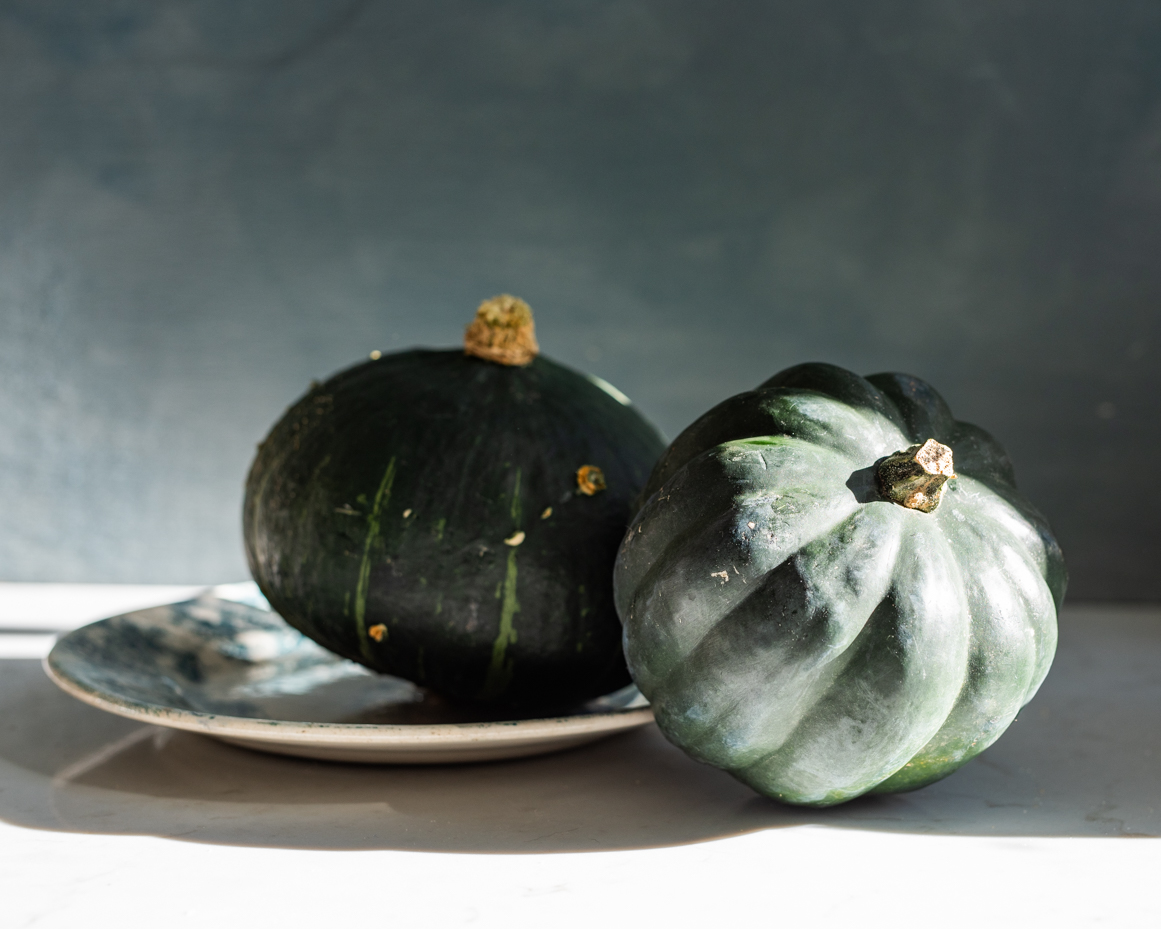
226	666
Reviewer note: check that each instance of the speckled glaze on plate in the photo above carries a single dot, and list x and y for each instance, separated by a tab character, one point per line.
226	666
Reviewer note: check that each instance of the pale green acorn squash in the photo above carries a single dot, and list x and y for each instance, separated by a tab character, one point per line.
822	617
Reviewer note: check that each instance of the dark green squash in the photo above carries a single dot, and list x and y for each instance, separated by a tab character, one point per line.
822	617
454	520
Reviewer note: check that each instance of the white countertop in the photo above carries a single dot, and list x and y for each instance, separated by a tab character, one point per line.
104	822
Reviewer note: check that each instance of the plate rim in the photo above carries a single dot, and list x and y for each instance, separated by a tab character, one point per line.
416	735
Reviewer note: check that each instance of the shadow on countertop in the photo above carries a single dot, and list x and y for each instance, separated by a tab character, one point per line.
1082	760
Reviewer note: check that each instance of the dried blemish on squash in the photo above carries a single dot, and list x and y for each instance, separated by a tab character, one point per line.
378	632
515	539
376	355
547	512
724	575
590	480
407	513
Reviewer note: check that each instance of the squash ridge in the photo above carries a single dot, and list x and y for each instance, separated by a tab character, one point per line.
891	737
721	524
805	571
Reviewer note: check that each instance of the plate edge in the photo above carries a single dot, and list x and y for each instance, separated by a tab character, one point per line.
274	730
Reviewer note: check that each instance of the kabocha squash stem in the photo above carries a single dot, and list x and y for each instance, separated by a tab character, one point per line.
914	477
503	332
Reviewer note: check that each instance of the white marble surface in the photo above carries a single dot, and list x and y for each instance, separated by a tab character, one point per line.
104	822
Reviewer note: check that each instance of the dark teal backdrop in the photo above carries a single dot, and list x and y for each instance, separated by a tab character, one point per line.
205	204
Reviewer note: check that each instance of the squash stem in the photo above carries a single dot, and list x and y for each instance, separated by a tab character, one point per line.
502	332
914	477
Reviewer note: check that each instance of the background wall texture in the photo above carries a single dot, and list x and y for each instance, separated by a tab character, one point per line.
206	203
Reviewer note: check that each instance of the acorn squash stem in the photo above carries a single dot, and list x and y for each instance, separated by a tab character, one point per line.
914	477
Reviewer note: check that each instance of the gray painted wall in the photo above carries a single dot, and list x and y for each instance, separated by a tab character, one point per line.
205	204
